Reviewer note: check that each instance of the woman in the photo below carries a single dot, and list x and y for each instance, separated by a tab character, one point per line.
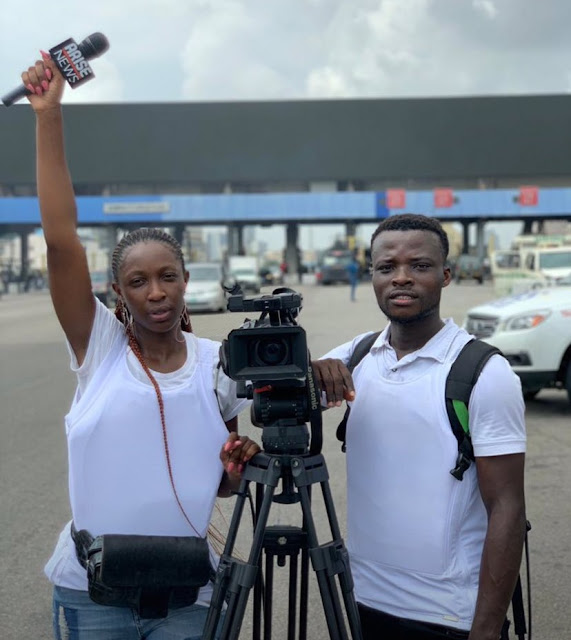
152	430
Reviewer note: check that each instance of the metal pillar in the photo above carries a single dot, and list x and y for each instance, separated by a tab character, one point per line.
292	251
480	239
112	233
465	237
236	239
178	232
350	229
24	260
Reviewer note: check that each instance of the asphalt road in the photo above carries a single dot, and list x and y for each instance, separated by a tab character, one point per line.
36	388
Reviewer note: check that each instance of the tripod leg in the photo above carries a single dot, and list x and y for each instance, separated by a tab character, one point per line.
331	559
223	571
345	577
267	471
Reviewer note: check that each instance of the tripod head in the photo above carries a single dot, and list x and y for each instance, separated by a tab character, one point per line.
269	359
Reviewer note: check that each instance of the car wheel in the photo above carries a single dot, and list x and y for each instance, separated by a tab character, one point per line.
568	380
529	394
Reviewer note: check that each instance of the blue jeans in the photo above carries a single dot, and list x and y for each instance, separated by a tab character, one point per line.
77	617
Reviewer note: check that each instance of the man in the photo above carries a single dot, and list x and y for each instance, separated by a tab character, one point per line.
353	270
431	557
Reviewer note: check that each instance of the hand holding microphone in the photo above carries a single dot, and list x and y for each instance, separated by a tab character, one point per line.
44	84
66	61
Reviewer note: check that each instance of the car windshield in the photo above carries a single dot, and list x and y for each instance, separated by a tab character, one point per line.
204	274
243	272
556	260
334	261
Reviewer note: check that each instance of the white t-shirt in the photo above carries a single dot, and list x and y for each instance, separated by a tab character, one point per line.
415	533
104	332
119	478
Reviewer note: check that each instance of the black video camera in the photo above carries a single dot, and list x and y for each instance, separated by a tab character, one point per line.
268	357
272	348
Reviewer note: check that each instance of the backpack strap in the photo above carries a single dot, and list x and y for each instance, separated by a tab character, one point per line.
459	384
361	349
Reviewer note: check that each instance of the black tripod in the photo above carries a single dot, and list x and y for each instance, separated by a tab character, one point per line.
235	579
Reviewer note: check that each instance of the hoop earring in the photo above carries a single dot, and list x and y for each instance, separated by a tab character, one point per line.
184	317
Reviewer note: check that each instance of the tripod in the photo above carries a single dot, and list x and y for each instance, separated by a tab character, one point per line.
234	578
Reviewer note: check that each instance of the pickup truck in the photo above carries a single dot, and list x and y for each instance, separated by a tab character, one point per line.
533	331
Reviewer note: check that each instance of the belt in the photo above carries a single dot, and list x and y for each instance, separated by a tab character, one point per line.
82	541
402	627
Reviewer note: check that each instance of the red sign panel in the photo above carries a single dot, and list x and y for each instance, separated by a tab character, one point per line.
528	196
443	198
396	198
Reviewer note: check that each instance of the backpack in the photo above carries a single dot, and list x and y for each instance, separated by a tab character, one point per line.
461	379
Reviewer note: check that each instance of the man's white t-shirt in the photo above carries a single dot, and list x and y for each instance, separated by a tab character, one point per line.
415	533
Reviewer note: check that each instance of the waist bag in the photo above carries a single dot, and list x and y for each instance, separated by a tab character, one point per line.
149	574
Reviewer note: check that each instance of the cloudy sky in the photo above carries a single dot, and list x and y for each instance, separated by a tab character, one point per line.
203	50
172	50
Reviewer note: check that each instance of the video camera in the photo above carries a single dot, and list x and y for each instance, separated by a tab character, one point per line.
272	348
269	360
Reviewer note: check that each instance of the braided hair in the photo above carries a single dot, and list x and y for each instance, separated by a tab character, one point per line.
146	235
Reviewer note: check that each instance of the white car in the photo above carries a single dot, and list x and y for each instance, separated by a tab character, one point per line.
533	331
204	291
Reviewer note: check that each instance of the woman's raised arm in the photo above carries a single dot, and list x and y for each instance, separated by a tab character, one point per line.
70	283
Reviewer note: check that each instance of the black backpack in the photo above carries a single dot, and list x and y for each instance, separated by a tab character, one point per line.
461	379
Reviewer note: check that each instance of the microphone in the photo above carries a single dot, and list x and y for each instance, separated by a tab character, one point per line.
71	59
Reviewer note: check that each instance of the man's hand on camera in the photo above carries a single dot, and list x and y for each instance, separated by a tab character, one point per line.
334	380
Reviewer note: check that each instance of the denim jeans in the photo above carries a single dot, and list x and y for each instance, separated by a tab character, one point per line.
77	617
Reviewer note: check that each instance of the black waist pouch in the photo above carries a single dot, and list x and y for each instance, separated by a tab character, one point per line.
147	573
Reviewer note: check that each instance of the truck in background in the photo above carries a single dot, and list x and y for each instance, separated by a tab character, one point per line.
332	264
533	261
245	270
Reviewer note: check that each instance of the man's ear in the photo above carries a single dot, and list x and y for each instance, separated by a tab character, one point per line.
447	276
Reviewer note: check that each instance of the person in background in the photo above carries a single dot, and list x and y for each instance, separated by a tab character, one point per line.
152	429
431	557
354	271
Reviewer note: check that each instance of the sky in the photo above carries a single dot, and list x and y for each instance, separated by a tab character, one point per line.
228	50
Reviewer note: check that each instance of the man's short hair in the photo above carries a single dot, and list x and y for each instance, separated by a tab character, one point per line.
414	222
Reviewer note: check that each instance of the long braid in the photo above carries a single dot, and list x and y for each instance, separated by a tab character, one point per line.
122	313
137	351
213	533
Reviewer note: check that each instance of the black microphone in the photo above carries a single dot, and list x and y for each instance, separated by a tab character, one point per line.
71	59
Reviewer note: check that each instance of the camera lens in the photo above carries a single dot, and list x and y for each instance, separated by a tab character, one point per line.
272	352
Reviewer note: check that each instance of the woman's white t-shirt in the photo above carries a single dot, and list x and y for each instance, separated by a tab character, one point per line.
119	478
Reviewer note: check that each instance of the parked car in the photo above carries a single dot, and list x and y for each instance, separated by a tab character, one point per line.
101	285
271	274
205	291
469	268
533	331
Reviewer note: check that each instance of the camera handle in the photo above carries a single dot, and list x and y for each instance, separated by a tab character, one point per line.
235	578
